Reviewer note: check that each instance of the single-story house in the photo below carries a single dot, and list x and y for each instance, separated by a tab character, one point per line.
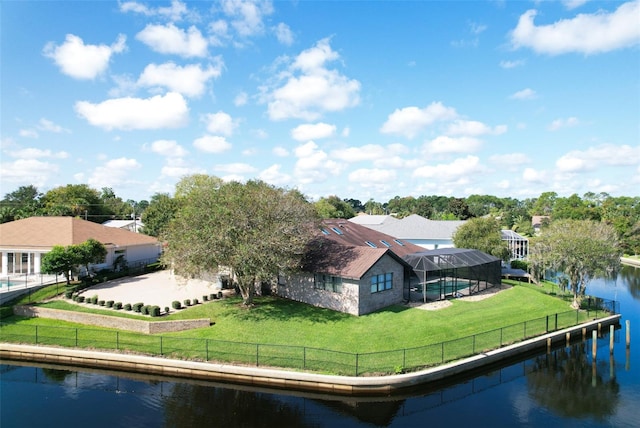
350	268
23	242
134	225
428	234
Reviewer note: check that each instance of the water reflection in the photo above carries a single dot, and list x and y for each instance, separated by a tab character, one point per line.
630	276
569	384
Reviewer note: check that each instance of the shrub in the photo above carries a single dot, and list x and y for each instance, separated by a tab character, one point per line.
137	307
110	303
154	311
213	296
176	305
204	298
219	294
101	302
520	264
187	302
145	310
94	300
117	306
166	309
195	301
80	299
68	294
127	307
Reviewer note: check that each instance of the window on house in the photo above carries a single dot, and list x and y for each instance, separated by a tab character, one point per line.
371	244
336	230
399	242
325	231
328	282
381	282
385	243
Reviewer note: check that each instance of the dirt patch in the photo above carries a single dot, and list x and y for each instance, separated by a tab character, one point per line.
441	304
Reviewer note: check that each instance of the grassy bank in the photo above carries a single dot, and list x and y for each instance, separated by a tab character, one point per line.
282	322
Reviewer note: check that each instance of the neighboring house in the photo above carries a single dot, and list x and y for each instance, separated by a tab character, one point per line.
24	242
537	221
351	268
429	234
131	225
518	244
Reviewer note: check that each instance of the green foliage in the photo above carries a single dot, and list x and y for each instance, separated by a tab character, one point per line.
333	207
161	210
117	306
520	264
483	234
579	249
76	200
195	301
166	309
154	311
187	302
61	261
110	303
127	307
176	304
137	307
253	228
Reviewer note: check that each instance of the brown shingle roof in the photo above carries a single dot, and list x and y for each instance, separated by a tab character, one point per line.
342	250
45	232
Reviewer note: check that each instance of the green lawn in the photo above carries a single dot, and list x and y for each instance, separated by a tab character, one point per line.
281	322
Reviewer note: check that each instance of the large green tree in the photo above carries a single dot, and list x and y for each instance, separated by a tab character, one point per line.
77	200
254	229
62	260
334	207
158	214
92	252
578	249
26	201
483	234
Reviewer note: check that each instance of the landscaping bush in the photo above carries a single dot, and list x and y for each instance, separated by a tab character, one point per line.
117	306
110	303
154	311
80	299
204	298
176	304
195	301
520	264
187	302
219	294
166	309
137	307
213	296
127	307
145	310
68	294
94	300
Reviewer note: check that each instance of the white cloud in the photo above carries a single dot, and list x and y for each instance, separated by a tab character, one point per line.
49	126
280	151
158	112
531	175
525	94
28	133
409	121
585	33
115	172
81	61
168	148
212	144
274	176
512	64
592	158
27	171
563	123
445	144
367	176
220	123
190	80
313	165
175	12
460	170
235	168
368	152
474	128
169	39
241	99
311	89
247	16
283	34
34	153
313	131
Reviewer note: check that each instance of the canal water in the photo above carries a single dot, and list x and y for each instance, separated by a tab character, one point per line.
564	388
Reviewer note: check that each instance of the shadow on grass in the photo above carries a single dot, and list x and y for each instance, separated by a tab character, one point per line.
278	309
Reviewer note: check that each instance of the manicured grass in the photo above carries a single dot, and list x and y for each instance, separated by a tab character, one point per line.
92	309
284	333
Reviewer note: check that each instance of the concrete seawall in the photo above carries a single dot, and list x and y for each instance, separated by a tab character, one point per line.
629	261
293	380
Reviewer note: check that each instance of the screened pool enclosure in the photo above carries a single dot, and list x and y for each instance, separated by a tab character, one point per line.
450	272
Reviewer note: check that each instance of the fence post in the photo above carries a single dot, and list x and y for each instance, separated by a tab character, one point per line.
577	313
304	357
206	349
501	329
441	352
36	335
473	348
160	345
404	358
117	341
257	354
546	330
357	355
556	321
76	337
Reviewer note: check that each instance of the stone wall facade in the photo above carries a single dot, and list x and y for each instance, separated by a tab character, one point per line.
138	326
356	297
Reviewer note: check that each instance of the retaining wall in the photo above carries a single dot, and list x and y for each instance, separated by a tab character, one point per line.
292	380
138	326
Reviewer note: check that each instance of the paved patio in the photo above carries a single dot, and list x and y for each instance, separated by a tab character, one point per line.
156	288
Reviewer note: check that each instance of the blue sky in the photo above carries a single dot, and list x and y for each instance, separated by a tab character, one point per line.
356	99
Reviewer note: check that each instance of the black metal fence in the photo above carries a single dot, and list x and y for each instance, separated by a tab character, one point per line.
302	357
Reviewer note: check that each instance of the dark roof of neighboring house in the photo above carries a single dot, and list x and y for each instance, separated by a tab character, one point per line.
349	250
45	232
